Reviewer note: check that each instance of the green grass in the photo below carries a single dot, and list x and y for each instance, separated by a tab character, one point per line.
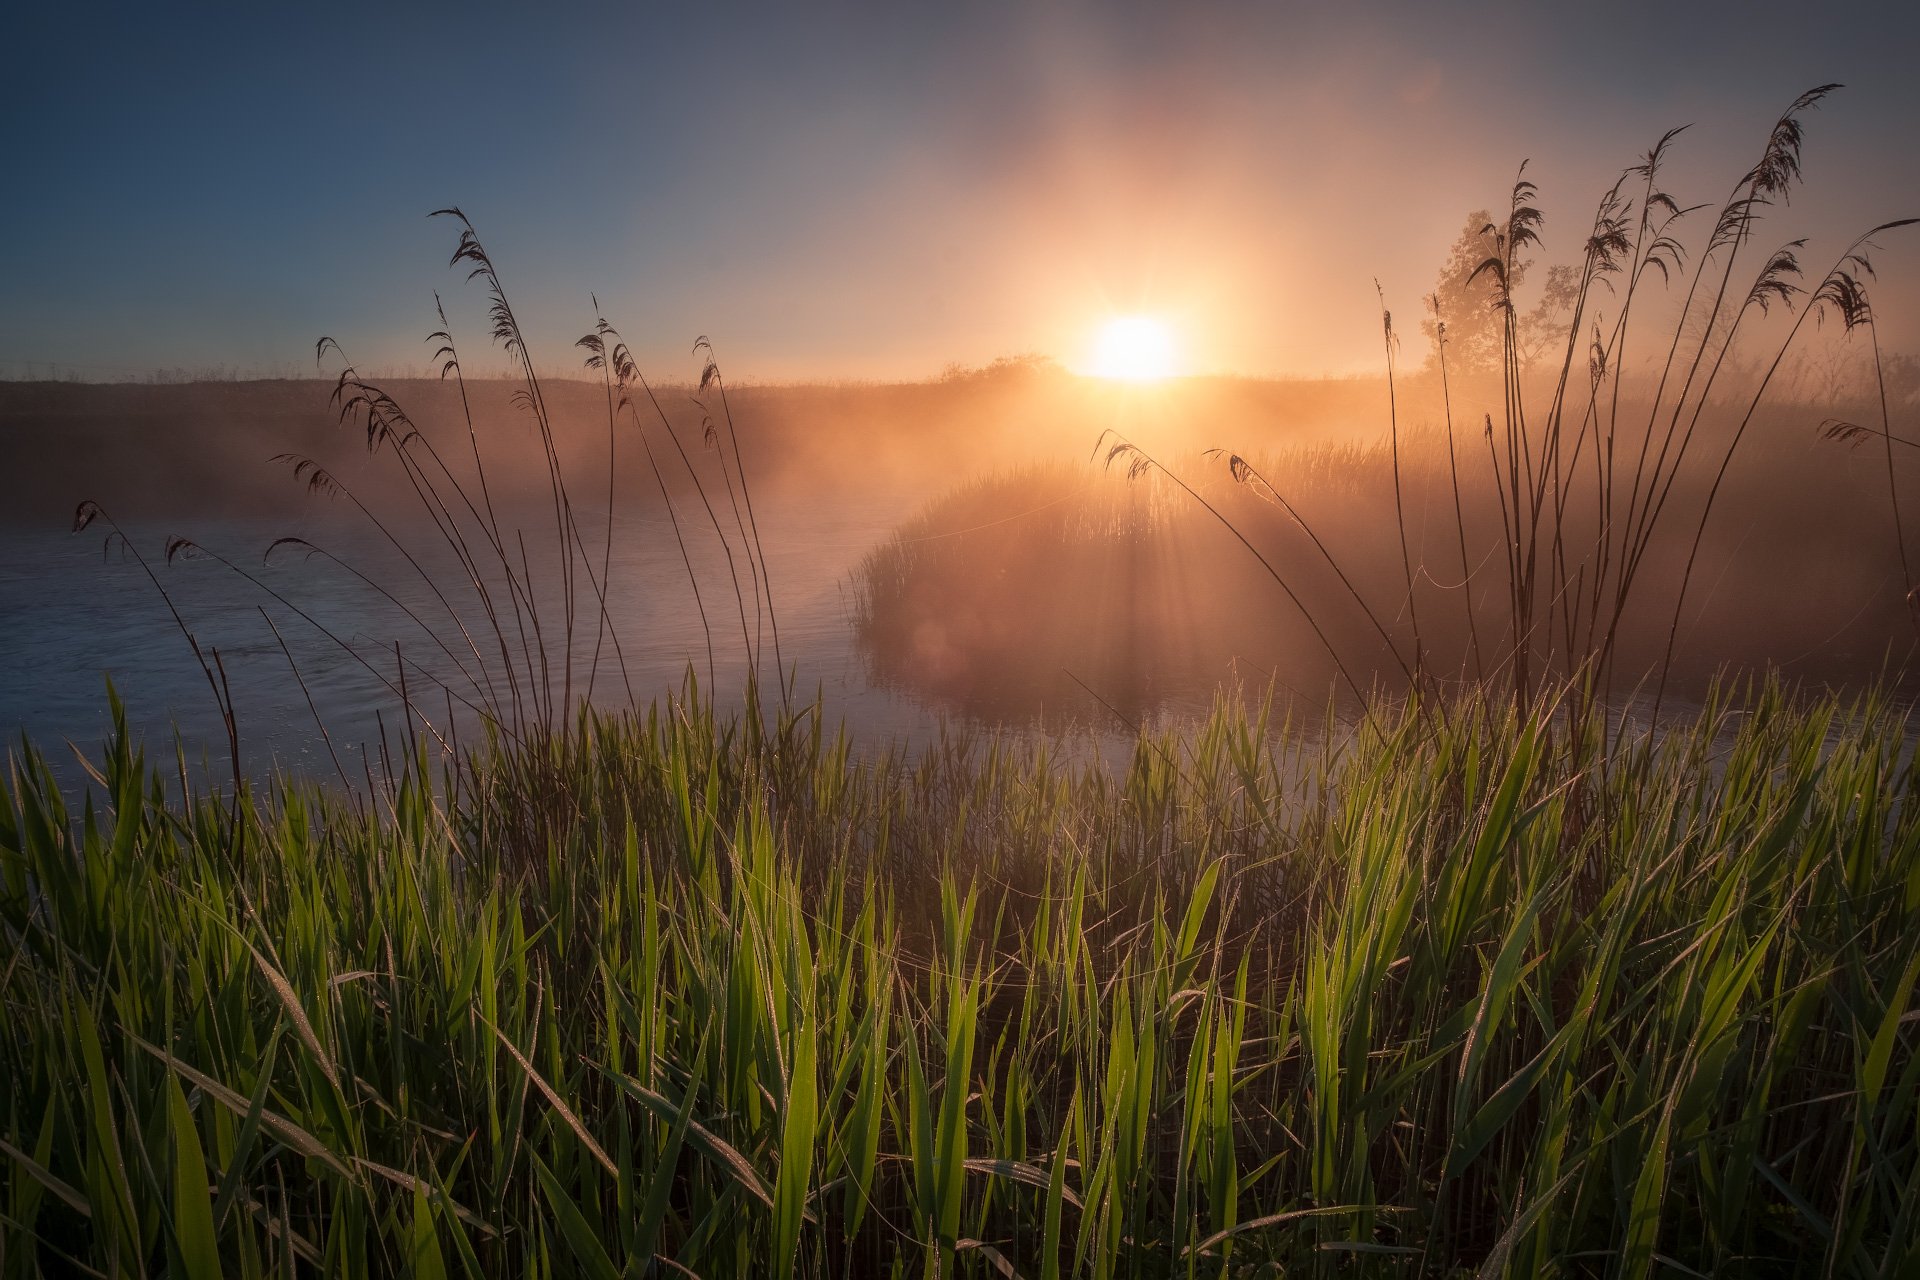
679	992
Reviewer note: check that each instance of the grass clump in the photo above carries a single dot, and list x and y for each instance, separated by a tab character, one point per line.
679	992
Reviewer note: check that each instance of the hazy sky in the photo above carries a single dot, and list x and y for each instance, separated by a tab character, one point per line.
872	191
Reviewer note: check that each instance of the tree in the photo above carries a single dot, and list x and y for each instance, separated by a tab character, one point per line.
1467	301
1543	330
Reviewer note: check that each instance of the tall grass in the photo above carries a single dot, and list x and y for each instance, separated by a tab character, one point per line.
1585	484
1012	578
512	627
1409	1000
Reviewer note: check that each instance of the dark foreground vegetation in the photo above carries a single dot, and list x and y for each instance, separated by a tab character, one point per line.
683	993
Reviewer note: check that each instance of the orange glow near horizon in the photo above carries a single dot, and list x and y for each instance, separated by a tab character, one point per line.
1134	349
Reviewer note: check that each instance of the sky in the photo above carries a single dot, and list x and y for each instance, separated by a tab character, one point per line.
873	192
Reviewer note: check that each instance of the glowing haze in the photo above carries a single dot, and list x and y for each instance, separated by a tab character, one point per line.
1134	349
873	192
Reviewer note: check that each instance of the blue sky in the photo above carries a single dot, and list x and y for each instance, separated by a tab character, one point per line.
868	191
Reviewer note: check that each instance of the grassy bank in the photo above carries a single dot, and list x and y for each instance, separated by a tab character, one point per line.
1447	991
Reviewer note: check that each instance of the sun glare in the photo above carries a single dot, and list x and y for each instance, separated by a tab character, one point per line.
1136	348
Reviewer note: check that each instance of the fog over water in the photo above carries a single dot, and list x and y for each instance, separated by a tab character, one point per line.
76	619
835	470
987	484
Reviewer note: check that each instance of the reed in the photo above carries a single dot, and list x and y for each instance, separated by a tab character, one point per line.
504	625
1602	479
1398	998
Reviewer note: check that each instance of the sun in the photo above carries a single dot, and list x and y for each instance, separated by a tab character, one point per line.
1136	348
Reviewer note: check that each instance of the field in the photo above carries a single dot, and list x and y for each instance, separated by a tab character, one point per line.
1451	992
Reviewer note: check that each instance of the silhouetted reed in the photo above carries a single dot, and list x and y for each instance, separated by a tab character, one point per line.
1578	515
508	613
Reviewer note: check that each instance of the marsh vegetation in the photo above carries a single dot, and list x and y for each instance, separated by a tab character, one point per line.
1436	958
1582	484
679	991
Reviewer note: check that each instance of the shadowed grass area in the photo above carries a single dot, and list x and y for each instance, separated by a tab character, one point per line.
689	992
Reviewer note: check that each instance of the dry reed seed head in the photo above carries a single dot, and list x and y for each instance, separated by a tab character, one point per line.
470	250
1650	166
1773	284
379	415
504	330
1495	265
1615	204
1237	467
1665	255
321	481
1843	293
1523	220
1608	244
307	549
1839	429
183	546
1736	220
1138	463
1779	165
1845	288
1249	478
85	514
